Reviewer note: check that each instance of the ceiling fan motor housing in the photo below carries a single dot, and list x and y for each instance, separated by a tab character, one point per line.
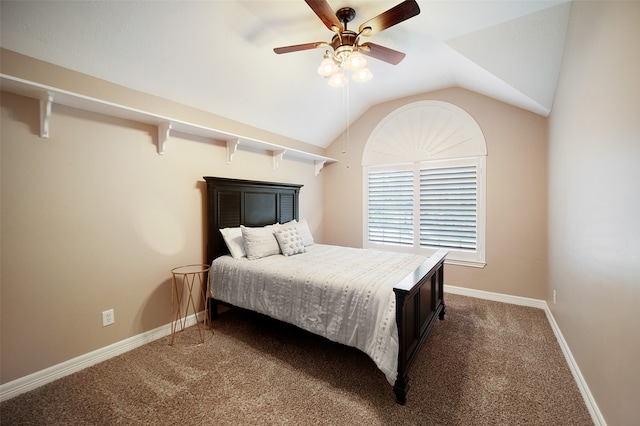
344	43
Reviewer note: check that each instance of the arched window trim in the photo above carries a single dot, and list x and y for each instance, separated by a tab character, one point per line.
420	136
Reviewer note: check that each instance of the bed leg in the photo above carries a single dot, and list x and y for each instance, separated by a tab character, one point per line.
213	310
401	388
442	311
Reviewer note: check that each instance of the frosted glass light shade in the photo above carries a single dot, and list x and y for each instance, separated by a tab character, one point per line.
362	75
337	80
328	67
355	61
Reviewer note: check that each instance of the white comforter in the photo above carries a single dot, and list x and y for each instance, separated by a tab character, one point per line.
344	294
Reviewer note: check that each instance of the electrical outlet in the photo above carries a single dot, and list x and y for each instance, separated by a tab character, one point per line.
108	318
554	297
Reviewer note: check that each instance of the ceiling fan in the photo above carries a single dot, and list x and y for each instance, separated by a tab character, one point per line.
345	43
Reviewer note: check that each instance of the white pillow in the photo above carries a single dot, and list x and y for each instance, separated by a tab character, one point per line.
305	233
303	230
289	241
235	243
260	242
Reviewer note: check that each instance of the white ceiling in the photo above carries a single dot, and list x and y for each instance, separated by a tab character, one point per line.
218	55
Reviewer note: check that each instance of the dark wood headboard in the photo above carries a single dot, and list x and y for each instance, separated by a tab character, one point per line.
235	202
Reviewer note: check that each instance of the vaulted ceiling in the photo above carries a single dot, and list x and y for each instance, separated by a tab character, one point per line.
218	55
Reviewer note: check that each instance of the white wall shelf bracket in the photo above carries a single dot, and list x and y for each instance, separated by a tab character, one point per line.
46	100
319	165
163	135
277	157
232	147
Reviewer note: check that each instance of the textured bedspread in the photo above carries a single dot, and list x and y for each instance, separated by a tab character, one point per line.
344	294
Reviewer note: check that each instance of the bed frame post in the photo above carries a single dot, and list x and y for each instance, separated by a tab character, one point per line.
212	309
419	301
401	385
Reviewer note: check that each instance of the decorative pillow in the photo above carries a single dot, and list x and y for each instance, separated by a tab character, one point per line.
289	241
260	242
235	243
303	230
305	233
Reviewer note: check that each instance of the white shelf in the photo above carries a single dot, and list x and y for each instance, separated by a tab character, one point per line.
50	95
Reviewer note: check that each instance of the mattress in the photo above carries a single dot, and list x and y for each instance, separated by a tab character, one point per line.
343	294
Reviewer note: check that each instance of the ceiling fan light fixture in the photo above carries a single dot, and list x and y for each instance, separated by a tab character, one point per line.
342	53
355	61
328	66
338	80
345	43
362	75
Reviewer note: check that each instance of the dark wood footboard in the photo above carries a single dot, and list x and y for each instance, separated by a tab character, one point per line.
419	301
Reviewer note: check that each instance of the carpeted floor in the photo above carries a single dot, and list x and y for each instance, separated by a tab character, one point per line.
487	363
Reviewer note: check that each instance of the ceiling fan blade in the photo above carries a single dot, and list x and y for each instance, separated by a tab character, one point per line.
298	47
325	13
401	12
383	53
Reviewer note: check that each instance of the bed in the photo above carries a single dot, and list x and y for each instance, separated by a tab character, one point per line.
319	287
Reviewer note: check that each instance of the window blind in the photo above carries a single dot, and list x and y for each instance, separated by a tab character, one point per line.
448	207
390	219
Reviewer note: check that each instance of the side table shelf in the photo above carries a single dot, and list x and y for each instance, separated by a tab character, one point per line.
184	279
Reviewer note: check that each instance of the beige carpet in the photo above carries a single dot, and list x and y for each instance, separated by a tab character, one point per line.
487	363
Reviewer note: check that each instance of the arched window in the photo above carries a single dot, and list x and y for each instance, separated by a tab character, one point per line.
424	176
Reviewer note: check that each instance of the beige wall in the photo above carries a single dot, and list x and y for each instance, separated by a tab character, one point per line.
93	218
594	202
516	252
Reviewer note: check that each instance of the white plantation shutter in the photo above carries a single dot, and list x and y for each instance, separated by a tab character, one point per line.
448	207
425	206
390	207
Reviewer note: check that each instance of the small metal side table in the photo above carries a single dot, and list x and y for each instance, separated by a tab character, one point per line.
183	283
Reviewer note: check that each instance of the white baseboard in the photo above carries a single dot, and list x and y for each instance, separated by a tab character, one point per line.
596	415
496	297
590	402
40	378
